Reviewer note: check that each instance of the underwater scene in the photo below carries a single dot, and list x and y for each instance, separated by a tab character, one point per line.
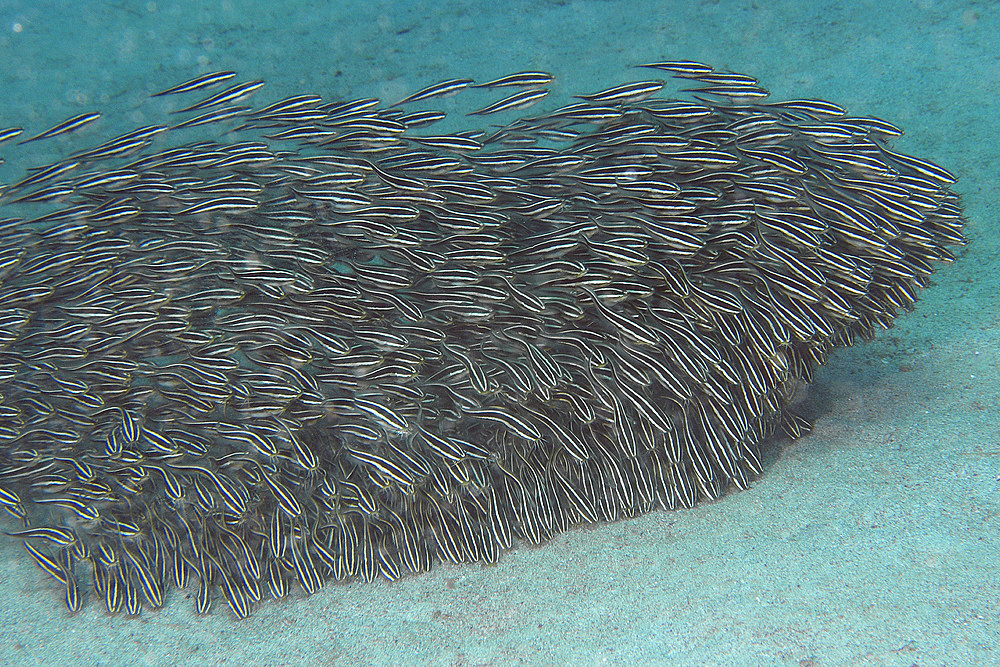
469	333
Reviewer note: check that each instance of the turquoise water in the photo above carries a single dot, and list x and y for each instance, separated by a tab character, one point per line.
871	541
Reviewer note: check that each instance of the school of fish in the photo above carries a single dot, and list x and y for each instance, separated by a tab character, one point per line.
324	342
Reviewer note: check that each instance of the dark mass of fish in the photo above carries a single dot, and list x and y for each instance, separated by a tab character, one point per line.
328	343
